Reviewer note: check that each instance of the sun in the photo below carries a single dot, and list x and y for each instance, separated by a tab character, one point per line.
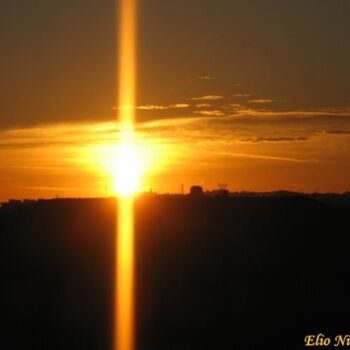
127	176
125	162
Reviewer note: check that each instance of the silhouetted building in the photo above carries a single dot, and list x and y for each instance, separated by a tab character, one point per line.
196	191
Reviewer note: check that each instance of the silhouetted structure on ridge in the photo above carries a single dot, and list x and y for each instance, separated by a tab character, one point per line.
196	191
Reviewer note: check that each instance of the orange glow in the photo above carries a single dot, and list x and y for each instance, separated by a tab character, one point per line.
127	178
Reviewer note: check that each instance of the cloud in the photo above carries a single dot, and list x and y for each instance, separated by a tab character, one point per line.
258	122
210	113
244	111
206	77
338	132
298	136
203	105
242	95
262	100
273	158
59	189
155	107
159	124
275	139
163	107
31	145
180	105
207	98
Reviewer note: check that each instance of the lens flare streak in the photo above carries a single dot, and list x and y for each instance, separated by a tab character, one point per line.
127	177
125	275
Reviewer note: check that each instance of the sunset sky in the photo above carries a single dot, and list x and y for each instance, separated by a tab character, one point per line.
253	93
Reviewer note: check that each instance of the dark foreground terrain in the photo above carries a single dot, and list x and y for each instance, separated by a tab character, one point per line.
212	273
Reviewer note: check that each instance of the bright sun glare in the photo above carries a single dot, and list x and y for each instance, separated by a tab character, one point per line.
128	169
128	165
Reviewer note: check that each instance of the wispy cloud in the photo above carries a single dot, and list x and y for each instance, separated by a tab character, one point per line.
163	107
207	98
241	95
267	157
206	77
57	189
261	100
245	111
210	113
274	139
151	107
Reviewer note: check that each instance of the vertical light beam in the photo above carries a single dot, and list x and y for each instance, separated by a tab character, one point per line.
127	63
124	280
124	313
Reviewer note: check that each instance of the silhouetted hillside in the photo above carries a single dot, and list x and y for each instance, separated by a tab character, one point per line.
231	273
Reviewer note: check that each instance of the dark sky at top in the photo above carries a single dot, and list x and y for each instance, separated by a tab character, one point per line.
57	59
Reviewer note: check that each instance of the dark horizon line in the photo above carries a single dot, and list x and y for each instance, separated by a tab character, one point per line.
212	193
